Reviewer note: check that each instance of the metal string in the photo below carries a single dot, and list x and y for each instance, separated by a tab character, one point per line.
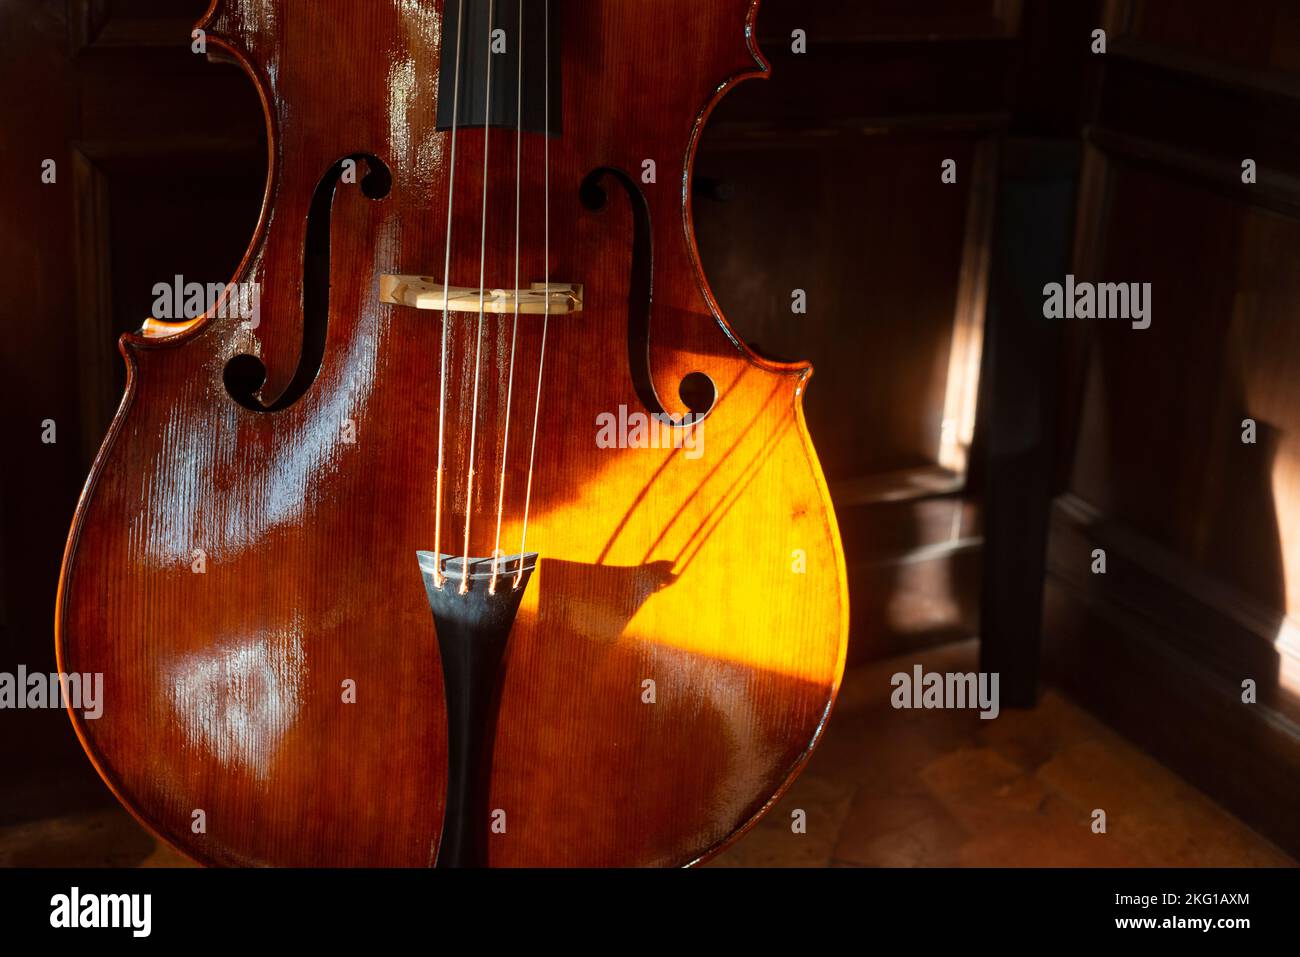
482	278
438	577
514	332
546	308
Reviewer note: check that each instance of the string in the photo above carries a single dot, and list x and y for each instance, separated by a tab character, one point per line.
546	308
482	278
514	332
438	577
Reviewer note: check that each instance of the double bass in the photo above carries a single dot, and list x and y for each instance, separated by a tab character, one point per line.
485	541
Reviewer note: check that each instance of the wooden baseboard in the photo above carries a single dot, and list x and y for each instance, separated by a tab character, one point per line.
1159	649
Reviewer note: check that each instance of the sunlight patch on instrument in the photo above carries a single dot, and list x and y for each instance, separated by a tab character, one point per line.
711	610
648	550
237	701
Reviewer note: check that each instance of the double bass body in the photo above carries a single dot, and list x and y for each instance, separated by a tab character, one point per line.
242	565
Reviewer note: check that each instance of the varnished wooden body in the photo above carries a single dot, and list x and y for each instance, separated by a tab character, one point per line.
223	690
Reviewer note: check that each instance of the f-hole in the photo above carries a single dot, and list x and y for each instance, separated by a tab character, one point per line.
697	390
244	374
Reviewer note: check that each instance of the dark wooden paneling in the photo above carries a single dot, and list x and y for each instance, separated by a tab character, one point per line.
877	243
1264	34
1228	632
884	20
1146	102
1160	649
876	87
1201	532
1162	445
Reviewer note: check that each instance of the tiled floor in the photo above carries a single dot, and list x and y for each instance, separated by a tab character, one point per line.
897	789
917	788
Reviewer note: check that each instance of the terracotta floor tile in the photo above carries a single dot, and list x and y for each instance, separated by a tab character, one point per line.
1051	835
943	788
1149	806
899	830
984	791
104	838
1030	737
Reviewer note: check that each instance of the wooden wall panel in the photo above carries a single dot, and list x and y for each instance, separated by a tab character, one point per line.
1154	396
877	20
1265	34
40	481
1159	445
1201	531
1265	341
878	246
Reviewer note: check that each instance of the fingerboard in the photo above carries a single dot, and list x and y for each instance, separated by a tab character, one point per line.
479	38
